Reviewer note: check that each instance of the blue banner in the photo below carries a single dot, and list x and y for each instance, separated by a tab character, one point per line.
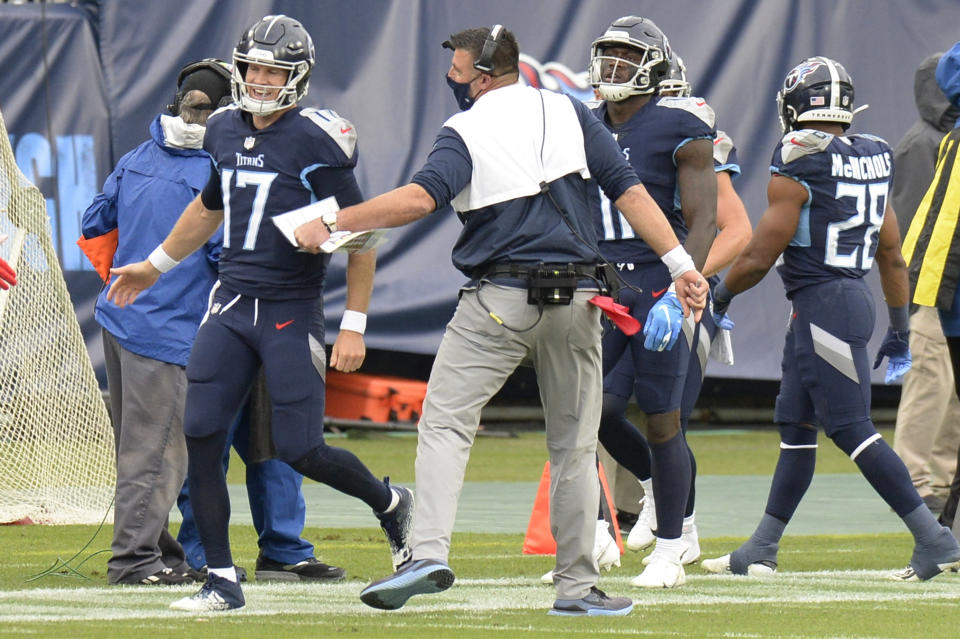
80	88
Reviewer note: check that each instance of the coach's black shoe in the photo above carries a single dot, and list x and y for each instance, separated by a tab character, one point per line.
310	569
421	577
596	603
165	577
396	524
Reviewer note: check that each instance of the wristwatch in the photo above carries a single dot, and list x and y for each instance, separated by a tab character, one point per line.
329	220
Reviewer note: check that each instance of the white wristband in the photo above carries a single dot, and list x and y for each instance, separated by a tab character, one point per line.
678	261
161	261
354	321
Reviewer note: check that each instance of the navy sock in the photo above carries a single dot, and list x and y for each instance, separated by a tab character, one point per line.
692	495
794	472
624	441
880	466
671	484
889	477
209	497
342	470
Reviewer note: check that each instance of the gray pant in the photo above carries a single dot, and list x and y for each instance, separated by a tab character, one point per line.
474	360
146	404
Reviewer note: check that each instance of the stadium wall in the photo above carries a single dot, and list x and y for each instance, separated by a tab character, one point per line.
82	83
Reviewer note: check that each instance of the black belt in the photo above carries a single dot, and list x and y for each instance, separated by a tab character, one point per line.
523	271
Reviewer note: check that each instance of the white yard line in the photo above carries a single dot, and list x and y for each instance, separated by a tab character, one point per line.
471	597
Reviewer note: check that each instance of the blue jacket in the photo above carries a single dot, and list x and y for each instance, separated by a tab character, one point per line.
142	199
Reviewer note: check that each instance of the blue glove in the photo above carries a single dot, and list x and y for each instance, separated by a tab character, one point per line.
723	321
896	346
663	324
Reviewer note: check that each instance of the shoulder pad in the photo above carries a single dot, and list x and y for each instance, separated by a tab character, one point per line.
875	138
338	128
797	144
696	106
722	145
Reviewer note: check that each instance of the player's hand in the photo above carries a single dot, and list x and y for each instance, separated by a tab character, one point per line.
311	235
691	290
896	346
8	277
663	324
348	351
130	280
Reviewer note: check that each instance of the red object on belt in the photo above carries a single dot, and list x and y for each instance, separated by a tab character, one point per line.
618	314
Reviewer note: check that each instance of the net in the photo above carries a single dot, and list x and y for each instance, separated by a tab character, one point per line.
56	442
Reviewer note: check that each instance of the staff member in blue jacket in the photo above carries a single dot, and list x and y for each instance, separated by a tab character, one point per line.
146	347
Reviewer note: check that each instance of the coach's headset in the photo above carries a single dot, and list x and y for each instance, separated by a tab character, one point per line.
484	63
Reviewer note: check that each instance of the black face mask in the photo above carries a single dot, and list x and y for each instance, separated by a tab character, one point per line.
461	91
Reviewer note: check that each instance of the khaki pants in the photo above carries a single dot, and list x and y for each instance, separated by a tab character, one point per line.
927	433
475	358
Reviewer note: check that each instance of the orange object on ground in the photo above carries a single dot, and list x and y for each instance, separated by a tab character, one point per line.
377	398
539	540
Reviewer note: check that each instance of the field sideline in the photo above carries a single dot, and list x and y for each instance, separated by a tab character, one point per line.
828	585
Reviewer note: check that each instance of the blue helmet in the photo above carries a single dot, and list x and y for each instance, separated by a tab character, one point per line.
676	81
616	78
816	90
276	41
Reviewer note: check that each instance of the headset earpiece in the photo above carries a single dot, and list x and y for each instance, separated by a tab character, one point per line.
484	63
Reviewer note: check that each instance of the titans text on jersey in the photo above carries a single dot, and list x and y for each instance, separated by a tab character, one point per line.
258	174
847	178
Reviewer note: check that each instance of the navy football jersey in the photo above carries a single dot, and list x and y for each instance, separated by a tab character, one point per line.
305	156
847	179
650	140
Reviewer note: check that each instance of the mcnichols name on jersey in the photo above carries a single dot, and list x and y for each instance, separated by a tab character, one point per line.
870	167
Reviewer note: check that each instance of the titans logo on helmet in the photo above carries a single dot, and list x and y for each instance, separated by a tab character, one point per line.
798	73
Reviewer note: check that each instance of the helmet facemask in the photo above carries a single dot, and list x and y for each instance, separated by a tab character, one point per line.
635	76
291	92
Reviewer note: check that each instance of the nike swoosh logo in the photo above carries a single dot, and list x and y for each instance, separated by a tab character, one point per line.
659	293
280	326
346	130
700	103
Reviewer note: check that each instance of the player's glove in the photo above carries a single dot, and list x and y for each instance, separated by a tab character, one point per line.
896	346
663	324
8	277
723	321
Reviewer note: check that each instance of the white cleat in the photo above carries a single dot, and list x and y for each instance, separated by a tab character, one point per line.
605	551
721	566
662	572
642	534
691	547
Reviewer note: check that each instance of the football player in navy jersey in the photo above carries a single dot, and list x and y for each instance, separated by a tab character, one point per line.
830	218
269	156
709	340
669	142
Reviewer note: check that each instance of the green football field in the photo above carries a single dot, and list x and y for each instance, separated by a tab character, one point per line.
832	581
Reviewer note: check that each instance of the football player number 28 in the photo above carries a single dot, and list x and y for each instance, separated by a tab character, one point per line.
870	200
262	180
